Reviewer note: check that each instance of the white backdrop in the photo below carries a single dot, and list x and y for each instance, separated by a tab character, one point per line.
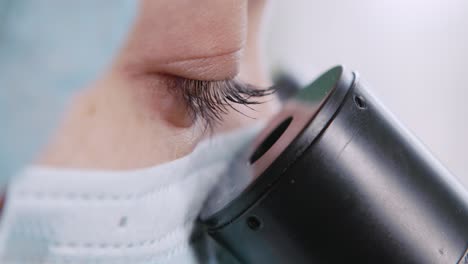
413	53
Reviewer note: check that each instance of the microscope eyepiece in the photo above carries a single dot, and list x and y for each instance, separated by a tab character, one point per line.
334	178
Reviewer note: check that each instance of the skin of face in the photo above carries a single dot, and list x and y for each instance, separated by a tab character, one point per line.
129	118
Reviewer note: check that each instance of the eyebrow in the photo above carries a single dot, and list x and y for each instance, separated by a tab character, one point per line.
210	101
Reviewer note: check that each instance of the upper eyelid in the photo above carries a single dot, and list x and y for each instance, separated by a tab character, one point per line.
222	66
203	57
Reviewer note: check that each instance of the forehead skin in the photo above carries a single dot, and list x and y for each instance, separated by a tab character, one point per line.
200	39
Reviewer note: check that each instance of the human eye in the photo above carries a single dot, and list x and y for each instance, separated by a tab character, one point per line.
209	101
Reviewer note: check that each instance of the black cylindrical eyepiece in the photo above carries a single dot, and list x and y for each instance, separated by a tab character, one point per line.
343	182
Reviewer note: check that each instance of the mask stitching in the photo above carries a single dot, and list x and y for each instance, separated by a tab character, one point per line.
176	250
73	196
162	256
187	225
147	242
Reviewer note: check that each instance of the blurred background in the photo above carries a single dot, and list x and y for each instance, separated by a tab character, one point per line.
413	53
48	50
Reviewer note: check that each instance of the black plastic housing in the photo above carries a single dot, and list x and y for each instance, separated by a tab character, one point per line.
353	187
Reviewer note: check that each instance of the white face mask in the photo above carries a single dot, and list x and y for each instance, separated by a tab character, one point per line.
141	216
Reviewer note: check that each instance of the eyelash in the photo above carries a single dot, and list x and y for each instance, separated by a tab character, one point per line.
209	101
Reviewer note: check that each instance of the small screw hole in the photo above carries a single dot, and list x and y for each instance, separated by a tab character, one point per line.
360	102
254	223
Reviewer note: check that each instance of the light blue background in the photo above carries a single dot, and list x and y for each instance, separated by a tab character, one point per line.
48	50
